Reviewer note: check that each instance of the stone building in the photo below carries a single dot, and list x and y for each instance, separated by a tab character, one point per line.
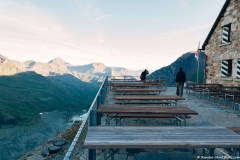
222	47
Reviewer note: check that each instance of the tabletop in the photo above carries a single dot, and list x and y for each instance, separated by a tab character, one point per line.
105	137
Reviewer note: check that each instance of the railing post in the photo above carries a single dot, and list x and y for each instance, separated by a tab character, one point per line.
93	117
93	122
102	96
98	115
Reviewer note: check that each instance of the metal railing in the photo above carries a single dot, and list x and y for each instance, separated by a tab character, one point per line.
76	150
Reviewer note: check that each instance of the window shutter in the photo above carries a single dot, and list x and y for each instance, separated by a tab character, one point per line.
224	69
238	68
225	35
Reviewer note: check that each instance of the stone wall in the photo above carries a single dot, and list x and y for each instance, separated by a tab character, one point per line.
216	52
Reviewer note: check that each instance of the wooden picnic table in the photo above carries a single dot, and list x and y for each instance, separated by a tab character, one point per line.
127	90
217	89
178	111
200	86
132	85
117	137
127	98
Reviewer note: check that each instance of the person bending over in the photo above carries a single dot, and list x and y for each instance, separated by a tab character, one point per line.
144	74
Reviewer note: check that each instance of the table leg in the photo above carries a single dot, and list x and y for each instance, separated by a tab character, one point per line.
105	154
184	120
225	100
175	102
211	152
107	120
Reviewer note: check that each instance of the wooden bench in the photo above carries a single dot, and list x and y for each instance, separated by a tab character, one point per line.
146	102
177	111
214	95
125	115
126	99
235	129
222	99
137	94
139	90
118	117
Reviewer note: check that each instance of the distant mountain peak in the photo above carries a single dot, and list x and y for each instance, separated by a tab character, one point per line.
3	59
59	61
98	65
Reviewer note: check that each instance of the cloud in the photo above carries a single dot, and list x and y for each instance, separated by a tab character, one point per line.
29	33
102	17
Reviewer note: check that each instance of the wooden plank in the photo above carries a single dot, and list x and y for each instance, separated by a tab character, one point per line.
145	102
235	129
160	137
157	97
145	109
139	90
131	115
147	94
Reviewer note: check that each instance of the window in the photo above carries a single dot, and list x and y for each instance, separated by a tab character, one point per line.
238	68
226	34
226	68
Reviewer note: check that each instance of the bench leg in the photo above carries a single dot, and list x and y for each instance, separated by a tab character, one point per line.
92	154
105	154
193	151
234	152
112	154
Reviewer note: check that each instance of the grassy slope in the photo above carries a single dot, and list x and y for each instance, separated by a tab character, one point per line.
24	95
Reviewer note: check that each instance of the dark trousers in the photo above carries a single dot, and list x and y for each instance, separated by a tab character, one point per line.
179	88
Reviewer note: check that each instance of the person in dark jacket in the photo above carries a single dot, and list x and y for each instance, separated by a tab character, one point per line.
180	80
144	74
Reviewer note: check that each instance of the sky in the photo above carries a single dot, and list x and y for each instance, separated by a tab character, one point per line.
135	34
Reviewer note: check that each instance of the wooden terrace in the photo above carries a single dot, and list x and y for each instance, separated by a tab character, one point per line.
112	138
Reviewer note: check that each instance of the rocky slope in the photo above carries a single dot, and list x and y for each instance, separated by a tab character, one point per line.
189	64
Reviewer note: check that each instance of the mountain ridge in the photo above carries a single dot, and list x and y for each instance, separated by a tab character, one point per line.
189	64
89	72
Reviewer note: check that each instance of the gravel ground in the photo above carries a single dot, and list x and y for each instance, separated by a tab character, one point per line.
209	114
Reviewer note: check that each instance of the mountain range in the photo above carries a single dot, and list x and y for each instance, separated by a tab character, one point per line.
87	73
189	64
